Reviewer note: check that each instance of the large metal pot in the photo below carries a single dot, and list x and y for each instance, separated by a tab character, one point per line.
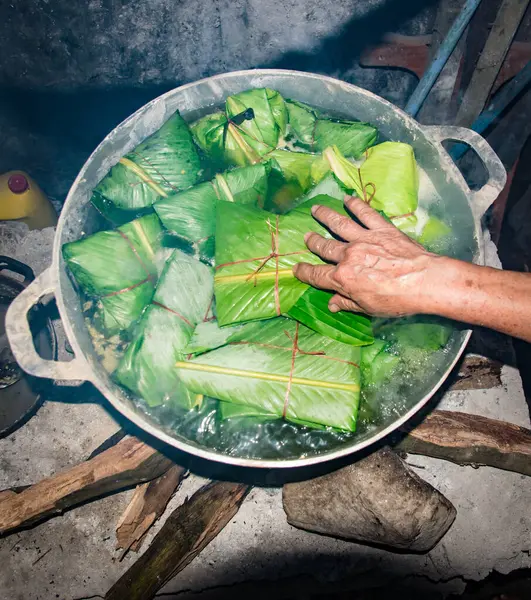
465	207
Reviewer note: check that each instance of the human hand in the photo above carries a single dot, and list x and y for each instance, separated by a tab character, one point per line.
377	269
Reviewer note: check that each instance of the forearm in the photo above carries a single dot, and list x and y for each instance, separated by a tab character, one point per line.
482	296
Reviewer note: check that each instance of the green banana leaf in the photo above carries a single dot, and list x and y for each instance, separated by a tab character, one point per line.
191	215
250	283
328	186
209	336
286	370
315	134
311	309
164	163
270	116
378	363
387	179
232	139
181	301
435	234
292	175
224	142
119	268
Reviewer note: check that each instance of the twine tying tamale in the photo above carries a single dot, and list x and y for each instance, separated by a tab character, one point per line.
174	312
295	351
149	276
274	254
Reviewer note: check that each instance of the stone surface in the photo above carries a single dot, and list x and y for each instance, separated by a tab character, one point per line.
73	556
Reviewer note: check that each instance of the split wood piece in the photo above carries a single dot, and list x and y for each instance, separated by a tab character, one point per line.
378	500
147	505
188	530
471	440
508	19
128	463
478	373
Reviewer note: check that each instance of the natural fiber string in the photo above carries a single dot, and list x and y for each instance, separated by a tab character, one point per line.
295	351
183	318
143	265
274	254
364	187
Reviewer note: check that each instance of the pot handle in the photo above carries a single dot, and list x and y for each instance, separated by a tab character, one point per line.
484	197
21	339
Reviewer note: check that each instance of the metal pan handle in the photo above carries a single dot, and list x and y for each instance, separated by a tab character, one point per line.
483	198
21	340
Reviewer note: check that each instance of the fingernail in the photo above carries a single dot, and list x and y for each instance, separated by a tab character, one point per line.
314	208
307	236
333	308
295	268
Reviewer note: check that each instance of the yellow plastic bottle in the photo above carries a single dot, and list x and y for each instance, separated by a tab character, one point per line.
21	199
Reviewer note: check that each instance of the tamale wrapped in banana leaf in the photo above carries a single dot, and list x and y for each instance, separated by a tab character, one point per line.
191	215
387	179
209	336
292	175
250	127
316	133
119	269
255	254
181	301
378	363
284	369
164	163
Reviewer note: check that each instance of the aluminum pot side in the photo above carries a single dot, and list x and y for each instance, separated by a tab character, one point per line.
463	208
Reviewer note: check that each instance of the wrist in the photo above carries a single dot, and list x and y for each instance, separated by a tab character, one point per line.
444	286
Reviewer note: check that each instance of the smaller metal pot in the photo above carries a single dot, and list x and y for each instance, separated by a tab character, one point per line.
20	394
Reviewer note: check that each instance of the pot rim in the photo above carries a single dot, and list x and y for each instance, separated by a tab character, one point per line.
136	417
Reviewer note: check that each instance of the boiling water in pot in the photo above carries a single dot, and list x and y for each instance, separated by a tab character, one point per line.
277	439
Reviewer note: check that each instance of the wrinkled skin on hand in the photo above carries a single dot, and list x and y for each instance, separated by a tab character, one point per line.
374	268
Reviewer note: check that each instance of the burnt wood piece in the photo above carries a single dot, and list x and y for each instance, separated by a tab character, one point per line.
126	464
471	440
478	373
147	505
187	531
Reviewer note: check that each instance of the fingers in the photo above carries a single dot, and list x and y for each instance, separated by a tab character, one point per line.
367	215
318	276
329	250
339	302
342	226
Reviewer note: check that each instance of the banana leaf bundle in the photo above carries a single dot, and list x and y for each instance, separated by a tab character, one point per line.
378	363
164	163
281	368
255	254
315	133
191	215
387	179
292	175
182	300
119	269
252	125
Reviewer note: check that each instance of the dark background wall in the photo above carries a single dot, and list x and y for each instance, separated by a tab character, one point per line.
70	71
